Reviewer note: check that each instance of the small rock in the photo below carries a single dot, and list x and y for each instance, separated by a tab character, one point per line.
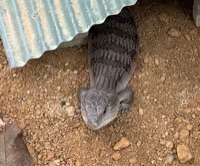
14	74
170	158
2	123
116	156
187	110
21	123
50	155
194	31
146	59
133	160
38	112
193	116
179	119
163	78
169	144
78	163
39	156
184	133
187	36
46	121
141	111
139	143
163	16
75	72
176	135
70	111
67	104
67	64
123	143
162	142
189	127
157	62
184	154
174	32
56	162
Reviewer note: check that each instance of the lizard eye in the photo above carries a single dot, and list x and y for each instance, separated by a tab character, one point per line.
104	112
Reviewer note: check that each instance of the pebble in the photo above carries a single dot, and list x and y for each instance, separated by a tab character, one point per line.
174	32
184	133
163	142
146	60
187	36
189	127
163	16
78	163
2	123
133	160
70	111
163	78
194	31
141	111
169	144
116	156
123	143
50	155
176	135
184	154
67	64
139	143
67	104
75	72
170	158
157	61
193	116
187	110
46	121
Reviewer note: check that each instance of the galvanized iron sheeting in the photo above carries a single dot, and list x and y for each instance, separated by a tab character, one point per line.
28	28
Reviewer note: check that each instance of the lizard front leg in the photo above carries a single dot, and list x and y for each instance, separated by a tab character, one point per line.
81	91
126	98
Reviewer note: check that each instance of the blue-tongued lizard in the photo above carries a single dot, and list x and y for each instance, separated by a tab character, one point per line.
112	49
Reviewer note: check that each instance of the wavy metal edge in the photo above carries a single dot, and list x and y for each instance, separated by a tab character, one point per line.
14	63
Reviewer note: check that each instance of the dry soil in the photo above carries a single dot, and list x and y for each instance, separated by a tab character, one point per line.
165	113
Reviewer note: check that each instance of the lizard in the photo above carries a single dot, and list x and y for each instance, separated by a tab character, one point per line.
112	52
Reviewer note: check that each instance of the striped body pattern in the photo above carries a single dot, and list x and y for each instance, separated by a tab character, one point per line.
112	50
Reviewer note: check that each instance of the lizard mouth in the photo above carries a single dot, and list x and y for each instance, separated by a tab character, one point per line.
100	124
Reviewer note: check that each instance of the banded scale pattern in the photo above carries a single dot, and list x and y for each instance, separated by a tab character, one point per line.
112	50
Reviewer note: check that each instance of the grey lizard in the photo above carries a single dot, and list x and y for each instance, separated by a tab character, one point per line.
112	49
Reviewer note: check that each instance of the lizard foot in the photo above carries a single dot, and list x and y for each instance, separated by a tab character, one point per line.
124	107
126	99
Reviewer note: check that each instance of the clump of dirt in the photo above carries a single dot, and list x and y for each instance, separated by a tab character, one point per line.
165	114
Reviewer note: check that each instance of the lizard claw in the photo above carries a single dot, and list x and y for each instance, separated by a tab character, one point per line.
124	107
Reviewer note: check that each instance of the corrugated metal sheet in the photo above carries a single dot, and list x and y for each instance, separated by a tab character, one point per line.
28	28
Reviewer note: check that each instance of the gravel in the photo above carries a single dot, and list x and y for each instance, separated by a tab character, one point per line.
184	133
163	16
157	62
141	111
70	111
169	144
173	32
116	156
33	95
123	143
170	158
184	154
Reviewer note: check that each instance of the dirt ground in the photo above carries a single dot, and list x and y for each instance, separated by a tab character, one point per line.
165	113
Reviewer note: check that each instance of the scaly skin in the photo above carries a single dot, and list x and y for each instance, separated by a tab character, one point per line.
112	48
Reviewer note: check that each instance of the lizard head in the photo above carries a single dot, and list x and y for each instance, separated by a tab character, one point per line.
98	108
